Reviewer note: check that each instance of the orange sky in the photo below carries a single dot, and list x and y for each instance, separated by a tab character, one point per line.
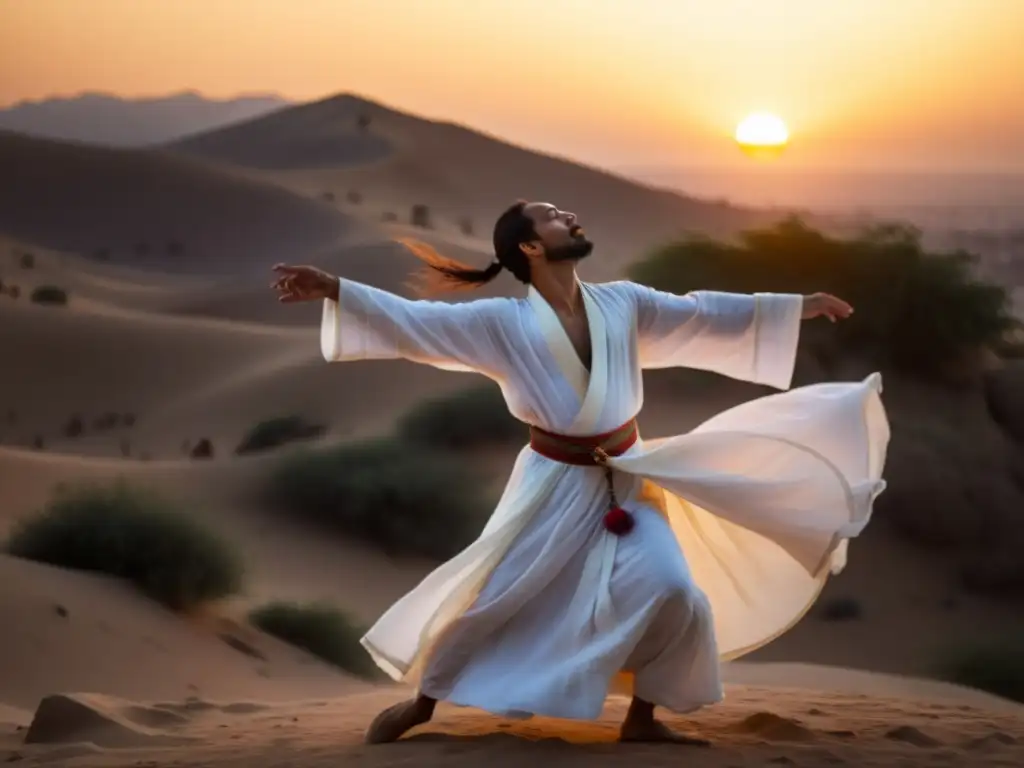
862	83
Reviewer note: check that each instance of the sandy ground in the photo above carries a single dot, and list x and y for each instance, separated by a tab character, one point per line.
151	362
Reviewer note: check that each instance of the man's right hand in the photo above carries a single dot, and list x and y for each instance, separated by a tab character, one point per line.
304	284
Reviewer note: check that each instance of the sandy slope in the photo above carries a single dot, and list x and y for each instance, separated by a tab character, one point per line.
757	726
151	208
181	378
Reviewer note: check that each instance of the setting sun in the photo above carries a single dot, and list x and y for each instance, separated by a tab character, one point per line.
762	134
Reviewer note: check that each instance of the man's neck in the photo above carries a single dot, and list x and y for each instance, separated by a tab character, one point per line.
560	288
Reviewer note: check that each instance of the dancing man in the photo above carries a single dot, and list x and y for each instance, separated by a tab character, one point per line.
613	563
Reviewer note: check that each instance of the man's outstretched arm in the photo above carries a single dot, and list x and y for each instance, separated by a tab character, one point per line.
752	337
361	322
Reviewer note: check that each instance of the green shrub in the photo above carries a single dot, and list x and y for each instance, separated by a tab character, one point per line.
320	629
915	310
132	534
466	419
273	433
996	668
404	499
49	294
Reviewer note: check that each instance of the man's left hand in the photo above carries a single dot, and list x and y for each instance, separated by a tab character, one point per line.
825	305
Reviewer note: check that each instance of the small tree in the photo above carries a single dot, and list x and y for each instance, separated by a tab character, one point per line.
916	310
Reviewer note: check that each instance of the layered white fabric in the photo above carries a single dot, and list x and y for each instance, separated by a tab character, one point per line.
739	522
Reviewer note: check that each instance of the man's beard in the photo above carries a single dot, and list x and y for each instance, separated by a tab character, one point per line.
577	250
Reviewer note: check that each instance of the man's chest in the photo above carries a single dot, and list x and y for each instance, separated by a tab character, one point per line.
577	329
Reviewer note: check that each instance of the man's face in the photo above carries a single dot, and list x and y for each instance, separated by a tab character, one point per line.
558	233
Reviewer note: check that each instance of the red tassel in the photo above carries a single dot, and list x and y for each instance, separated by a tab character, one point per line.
618	521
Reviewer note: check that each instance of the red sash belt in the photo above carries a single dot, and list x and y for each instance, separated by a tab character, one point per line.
585	450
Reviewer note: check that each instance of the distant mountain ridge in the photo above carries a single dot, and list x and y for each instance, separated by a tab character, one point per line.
108	120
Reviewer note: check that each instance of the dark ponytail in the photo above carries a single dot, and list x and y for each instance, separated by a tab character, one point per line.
444	273
512	229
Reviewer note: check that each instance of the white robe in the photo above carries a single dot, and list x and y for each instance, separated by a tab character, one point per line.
739	522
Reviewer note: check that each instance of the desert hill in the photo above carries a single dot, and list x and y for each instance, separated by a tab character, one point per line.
390	161
152	209
102	118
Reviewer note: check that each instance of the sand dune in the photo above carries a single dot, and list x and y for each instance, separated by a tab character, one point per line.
180	378
81	632
155	209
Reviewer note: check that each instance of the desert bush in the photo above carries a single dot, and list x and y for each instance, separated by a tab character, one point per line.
105	421
466	226
953	485
395	495
202	449
389	216
27	260
841	609
74	427
354	197
133	534
327	197
996	668
49	294
363	122
320	629
466	419
915	310
420	216
273	433
13	291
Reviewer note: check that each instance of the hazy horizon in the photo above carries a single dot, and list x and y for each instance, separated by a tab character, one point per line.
868	85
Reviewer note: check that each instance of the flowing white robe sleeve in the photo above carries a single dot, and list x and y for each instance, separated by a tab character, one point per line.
368	323
750	337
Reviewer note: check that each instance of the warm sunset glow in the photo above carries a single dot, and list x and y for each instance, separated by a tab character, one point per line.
915	83
762	135
762	129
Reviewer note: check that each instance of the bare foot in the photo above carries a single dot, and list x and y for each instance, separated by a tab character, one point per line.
654	731
391	724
